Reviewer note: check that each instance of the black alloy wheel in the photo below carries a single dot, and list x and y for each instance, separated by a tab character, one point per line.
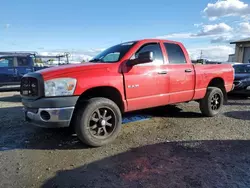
102	123
98	121
215	102
212	103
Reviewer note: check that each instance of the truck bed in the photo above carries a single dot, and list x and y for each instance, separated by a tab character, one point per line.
208	72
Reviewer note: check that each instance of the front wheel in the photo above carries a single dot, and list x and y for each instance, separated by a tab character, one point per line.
212	103
98	122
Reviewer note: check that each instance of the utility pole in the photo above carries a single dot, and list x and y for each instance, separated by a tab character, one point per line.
201	55
67	56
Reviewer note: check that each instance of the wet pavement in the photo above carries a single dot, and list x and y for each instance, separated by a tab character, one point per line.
177	147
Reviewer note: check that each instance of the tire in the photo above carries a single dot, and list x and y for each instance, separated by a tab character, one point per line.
89	122
207	107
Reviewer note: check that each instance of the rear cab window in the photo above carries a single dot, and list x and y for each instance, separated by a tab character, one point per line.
175	53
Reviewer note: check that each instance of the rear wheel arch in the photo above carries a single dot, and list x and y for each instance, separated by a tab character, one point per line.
219	83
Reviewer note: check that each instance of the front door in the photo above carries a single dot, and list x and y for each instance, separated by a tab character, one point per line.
146	85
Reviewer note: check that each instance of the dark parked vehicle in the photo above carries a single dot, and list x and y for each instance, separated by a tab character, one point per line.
14	65
241	79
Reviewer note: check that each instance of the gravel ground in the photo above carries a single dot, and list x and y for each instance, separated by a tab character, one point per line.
176	148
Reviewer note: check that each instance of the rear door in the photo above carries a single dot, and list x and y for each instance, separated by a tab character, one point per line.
7	71
181	74
146	85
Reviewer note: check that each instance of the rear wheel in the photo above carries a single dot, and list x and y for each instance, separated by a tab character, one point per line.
98	122
212	103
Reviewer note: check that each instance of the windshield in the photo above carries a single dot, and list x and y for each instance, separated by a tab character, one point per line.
114	53
242	69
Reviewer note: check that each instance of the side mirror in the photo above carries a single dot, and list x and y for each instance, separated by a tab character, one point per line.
144	57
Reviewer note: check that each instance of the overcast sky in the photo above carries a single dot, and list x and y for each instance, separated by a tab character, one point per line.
84	27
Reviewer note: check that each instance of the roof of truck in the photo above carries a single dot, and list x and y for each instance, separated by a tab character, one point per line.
158	39
151	40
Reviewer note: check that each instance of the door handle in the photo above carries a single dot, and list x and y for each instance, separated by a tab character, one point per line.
188	70
162	72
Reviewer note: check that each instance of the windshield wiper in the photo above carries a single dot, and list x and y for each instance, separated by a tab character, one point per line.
95	60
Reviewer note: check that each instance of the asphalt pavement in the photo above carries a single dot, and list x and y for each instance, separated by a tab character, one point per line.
177	147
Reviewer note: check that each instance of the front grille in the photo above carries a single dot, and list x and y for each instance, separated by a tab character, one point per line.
29	87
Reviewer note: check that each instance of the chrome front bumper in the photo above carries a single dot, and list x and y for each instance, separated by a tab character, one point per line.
49	117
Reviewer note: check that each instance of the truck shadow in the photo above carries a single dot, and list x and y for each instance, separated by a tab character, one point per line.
237	104
13	98
238	100
9	89
171	111
237	97
215	163
243	115
15	133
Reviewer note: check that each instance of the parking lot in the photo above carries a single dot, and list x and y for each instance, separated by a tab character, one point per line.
177	147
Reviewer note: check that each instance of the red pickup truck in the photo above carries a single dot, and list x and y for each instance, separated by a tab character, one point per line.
130	76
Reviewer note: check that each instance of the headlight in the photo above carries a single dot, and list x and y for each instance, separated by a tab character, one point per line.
59	87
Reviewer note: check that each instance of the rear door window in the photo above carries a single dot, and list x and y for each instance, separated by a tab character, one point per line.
175	54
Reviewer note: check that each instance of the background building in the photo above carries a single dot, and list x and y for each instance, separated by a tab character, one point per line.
231	58
242	50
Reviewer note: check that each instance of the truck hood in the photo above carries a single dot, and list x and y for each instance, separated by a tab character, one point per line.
71	69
